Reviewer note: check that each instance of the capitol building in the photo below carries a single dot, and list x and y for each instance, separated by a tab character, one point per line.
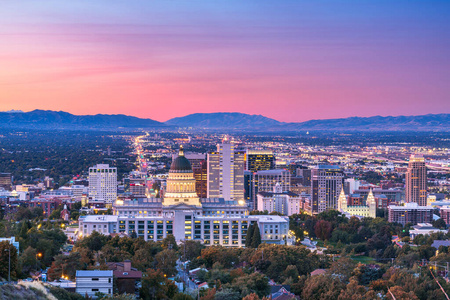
181	213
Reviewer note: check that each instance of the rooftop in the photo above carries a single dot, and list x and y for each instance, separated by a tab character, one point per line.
94	273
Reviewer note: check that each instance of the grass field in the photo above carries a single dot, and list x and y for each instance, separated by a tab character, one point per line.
363	259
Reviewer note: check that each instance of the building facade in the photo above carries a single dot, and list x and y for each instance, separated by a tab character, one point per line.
103	184
286	203
259	160
226	173
326	186
265	181
410	213
212	221
90	282
369	209
416	181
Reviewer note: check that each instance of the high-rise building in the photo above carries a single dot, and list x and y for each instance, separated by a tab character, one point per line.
265	181
416	181
248	186
201	178
226	173
102	184
6	181
259	160
326	186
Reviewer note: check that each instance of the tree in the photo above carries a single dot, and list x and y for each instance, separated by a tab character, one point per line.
439	223
28	260
166	261
248	239
155	285
342	268
322	287
253	283
181	296
169	243
94	241
64	265
323	229
227	294
7	249
256	238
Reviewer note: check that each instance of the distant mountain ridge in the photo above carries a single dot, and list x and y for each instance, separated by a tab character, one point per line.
430	122
231	120
47	119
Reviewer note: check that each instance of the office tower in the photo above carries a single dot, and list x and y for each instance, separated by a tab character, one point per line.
201	178
265	181
326	185
103	183
248	186
5	181
306	175
259	160
226	173
416	181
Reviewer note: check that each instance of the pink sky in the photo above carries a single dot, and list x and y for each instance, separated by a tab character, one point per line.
291	62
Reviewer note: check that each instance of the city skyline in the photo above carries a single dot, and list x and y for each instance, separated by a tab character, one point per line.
293	61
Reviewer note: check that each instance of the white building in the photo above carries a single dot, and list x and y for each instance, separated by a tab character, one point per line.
360	211
212	221
104	224
12	241
286	203
265	181
103	184
226	173
93	281
424	229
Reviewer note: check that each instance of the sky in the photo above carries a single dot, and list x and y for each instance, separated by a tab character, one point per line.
291	60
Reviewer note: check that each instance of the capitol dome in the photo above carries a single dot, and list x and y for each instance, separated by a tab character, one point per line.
180	164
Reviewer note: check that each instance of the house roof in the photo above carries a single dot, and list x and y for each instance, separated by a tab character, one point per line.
128	274
318	272
94	273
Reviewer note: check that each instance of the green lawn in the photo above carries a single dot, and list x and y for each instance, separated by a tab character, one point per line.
363	259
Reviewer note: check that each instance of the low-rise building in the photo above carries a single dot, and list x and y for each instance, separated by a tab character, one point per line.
410	213
90	282
424	229
286	203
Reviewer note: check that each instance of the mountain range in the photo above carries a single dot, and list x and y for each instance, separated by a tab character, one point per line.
46	119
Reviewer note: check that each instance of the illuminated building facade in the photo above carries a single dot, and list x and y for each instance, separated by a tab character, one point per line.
367	210
226	173
416	181
212	221
102	184
259	160
326	186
